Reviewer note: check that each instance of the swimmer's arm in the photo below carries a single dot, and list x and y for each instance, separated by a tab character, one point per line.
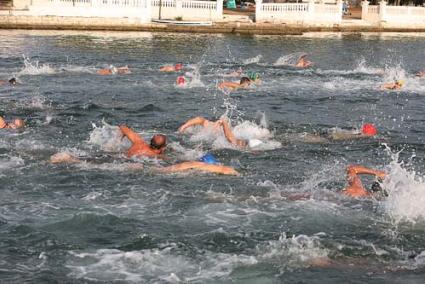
186	166
131	135
230	136
229	85
192	122
3	123
358	170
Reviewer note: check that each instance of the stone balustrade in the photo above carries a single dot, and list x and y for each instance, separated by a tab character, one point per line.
311	12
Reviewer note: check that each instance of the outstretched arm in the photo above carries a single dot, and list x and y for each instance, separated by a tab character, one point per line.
3	123
131	135
186	166
358	170
192	122
230	136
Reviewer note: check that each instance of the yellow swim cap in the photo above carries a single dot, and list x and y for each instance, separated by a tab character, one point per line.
400	82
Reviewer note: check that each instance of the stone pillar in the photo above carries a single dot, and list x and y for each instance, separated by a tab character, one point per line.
365	9
22	4
219	9
147	11
339	8
179	9
258	5
311	13
382	9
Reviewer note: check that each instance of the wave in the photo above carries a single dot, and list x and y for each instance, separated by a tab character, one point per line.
163	264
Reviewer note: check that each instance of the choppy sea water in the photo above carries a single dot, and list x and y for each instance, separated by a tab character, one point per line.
101	221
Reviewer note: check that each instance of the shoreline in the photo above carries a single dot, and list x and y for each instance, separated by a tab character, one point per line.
126	24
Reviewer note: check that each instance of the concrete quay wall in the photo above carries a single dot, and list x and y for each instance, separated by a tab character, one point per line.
128	24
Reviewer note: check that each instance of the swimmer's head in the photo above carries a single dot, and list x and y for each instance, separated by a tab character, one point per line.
369	129
400	82
178	67
180	80
19	123
208	159
159	142
13	81
376	187
253	76
245	81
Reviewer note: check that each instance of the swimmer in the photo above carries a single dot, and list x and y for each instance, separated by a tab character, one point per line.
368	130
17	123
243	84
114	70
205	164
171	68
181	81
303	62
216	126
11	81
140	148
398	84
355	187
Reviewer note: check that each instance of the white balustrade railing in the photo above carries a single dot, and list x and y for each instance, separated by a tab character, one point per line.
187	10
393	15
139	10
284	8
298	12
142	10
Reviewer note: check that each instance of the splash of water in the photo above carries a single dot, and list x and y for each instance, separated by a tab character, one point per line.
34	68
394	73
194	77
406	192
253	60
297	251
163	264
108	138
289	60
363	68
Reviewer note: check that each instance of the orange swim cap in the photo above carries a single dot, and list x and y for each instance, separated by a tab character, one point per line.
369	129
178	66
180	80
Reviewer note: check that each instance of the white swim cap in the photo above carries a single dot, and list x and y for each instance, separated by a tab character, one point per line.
254	143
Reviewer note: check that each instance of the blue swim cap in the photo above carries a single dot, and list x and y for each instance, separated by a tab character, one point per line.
209	159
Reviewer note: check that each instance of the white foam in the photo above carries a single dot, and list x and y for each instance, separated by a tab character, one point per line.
253	60
296	251
152	265
406	193
194	78
288	60
245	130
108	138
34	68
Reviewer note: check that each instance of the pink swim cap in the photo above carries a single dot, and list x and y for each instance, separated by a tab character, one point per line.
180	80
178	66
369	129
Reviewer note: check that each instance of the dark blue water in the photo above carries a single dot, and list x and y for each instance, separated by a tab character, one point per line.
101	221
